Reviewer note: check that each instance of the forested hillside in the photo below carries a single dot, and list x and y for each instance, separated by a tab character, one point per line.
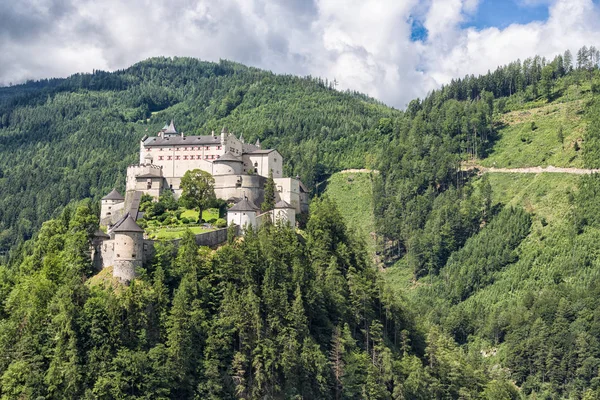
68	139
489	282
504	263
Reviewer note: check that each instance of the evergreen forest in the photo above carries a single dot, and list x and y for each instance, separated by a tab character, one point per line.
437	272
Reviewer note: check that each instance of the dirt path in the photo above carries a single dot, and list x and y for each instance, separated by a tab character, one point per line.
353	171
532	170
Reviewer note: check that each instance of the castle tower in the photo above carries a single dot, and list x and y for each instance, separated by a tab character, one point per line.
128	248
170	131
243	213
110	203
227	164
285	213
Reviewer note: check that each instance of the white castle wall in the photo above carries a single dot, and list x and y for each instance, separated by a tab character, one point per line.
261	163
242	218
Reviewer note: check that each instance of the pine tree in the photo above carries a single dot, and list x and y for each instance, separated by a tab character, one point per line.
269	201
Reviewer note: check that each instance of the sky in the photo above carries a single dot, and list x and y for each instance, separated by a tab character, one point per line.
393	50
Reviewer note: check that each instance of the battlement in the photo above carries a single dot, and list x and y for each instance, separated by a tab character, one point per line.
154	166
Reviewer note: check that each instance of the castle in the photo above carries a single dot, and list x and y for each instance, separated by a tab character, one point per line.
240	171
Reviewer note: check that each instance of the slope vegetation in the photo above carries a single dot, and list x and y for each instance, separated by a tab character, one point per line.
67	139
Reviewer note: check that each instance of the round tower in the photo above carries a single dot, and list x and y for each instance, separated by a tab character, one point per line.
128	248
227	164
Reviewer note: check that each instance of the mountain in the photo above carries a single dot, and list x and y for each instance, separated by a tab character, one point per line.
64	140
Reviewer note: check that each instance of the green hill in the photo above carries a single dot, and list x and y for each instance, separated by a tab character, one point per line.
492	292
68	139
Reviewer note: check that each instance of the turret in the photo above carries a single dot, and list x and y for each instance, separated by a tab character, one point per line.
128	248
243	214
170	131
109	202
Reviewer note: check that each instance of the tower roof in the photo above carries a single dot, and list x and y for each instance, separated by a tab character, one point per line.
171	128
227	157
113	195
127	225
244	205
283	204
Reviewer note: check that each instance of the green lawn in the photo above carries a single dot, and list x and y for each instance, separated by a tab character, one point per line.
174	233
520	146
353	193
207	215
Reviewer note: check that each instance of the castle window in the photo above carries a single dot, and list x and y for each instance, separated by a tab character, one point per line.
133	256
256	164
177	157
169	158
185	157
274	160
206	147
160	149
177	149
160	158
218	147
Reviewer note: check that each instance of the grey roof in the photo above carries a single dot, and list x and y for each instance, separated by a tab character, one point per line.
248	148
260	151
113	195
179	141
171	128
244	205
227	157
127	225
148	176
283	204
100	234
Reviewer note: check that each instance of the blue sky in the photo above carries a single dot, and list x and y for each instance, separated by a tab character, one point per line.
502	13
494	14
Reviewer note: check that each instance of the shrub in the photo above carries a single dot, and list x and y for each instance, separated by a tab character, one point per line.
221	223
185	220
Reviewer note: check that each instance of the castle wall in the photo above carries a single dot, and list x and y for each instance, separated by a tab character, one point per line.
262	163
111	207
227	168
288	190
236	186
151	186
141	169
232	144
285	215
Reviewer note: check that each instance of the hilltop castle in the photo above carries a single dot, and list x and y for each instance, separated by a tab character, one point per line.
240	171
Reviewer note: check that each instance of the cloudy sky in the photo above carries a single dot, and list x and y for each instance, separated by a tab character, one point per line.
394	50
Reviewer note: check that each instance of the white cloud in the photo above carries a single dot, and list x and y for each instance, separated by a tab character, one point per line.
365	45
